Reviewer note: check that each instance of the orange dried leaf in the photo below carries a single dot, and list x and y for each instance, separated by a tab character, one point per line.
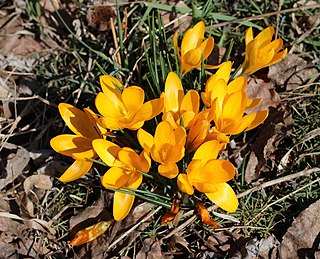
205	217
173	212
90	233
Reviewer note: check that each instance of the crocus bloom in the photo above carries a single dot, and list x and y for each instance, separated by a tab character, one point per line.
166	147
125	165
209	176
229	114
179	109
261	51
84	126
193	48
124	108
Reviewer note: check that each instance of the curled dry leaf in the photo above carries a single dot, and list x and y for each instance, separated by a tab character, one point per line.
175	207
302	238
205	216
90	233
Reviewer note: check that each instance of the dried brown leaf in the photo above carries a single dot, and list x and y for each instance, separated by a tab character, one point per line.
257	88
150	249
275	128
17	161
292	72
177	243
181	22
302	238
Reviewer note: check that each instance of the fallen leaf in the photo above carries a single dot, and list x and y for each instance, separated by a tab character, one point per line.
177	243
99	16
302	238
270	133
292	72
257	88
181	21
150	249
175	207
17	161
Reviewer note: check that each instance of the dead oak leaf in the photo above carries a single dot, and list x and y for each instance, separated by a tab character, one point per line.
257	88
302	238
292	72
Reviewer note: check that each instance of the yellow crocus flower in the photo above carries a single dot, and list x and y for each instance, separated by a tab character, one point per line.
125	165
261	51
179	109
209	176
124	107
85	127
193	48
166	147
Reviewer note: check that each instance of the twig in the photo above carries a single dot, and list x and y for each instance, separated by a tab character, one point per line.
257	17
279	180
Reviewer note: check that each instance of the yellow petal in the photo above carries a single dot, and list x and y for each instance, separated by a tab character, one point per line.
207	47
225	197
193	58
175	44
145	162
255	119
109	106
75	171
95	121
111	84
145	139
168	170
207	151
170	117
197	134
164	135
192	38
77	121
106	150
188	119
190	102
74	146
234	106
122	204
238	84
253	103
216	171
184	184
224	71
149	110
248	36
173	93
132	98
115	177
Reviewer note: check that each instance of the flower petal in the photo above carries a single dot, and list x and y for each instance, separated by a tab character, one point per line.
255	119
109	106
106	150
77	121
74	146
111	84
115	178
149	110
168	170
190	102
173	93
207	47
75	171
145	139
122	204
132	98
225	197
207	151
193	37
184	184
